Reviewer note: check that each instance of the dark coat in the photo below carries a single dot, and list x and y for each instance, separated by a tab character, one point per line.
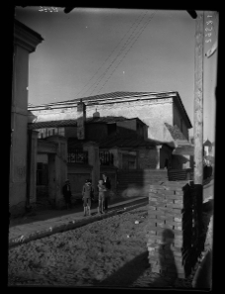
107	184
66	190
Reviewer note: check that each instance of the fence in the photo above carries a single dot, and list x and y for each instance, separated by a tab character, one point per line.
78	156
106	158
176	228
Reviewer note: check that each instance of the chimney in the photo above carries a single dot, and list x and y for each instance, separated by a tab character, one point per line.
81	118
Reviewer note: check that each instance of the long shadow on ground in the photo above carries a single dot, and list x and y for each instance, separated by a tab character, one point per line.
136	273
129	273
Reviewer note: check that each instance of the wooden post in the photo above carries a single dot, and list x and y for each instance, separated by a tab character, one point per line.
198	100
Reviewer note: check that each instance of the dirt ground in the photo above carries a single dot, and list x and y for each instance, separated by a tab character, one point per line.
108	253
111	252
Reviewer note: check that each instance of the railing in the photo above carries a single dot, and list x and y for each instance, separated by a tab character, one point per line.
77	156
106	158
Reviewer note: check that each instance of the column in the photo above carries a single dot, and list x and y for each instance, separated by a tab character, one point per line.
198	98
25	42
32	168
158	147
93	160
51	178
116	160
57	169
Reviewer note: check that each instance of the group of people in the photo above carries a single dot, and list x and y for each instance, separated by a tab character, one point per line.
104	187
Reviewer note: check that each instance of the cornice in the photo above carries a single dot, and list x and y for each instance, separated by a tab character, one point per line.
25	37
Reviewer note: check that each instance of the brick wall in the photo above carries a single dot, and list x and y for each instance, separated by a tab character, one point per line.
174	229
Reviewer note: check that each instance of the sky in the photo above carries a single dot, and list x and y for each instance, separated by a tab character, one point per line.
94	51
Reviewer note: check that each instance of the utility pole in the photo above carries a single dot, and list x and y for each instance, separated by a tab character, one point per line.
198	99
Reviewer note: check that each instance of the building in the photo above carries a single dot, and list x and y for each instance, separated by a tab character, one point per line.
25	42
158	111
105	133
154	109
117	143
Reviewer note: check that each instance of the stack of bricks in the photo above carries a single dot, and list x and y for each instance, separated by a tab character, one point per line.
169	228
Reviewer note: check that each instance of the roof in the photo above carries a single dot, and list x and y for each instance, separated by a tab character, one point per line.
175	132
207	143
184	150
183	146
73	122
118	98
52	124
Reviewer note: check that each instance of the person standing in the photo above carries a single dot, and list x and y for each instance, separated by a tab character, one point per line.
87	195
66	191
107	184
101	196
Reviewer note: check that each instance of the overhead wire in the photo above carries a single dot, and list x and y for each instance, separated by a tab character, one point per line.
103	75
126	44
108	57
131	46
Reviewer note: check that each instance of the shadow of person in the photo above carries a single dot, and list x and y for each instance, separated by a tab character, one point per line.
128	273
168	267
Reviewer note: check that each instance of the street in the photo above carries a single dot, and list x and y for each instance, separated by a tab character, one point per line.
111	252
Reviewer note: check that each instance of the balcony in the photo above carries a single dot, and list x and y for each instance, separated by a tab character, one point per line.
106	158
78	156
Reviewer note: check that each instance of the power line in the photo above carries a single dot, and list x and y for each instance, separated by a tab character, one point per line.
144	27
129	40
102	76
108	57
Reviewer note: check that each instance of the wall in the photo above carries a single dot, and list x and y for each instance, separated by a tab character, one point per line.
42	158
25	42
19	125
77	174
175	228
179	121
153	112
165	156
180	161
96	131
129	124
71	132
147	158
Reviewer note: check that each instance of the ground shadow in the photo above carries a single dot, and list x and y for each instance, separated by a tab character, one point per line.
166	256
140	269
167	264
129	273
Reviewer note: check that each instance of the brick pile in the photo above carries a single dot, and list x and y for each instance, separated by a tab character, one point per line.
170	228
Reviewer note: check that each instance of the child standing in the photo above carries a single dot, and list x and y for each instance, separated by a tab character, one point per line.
87	194
101	196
